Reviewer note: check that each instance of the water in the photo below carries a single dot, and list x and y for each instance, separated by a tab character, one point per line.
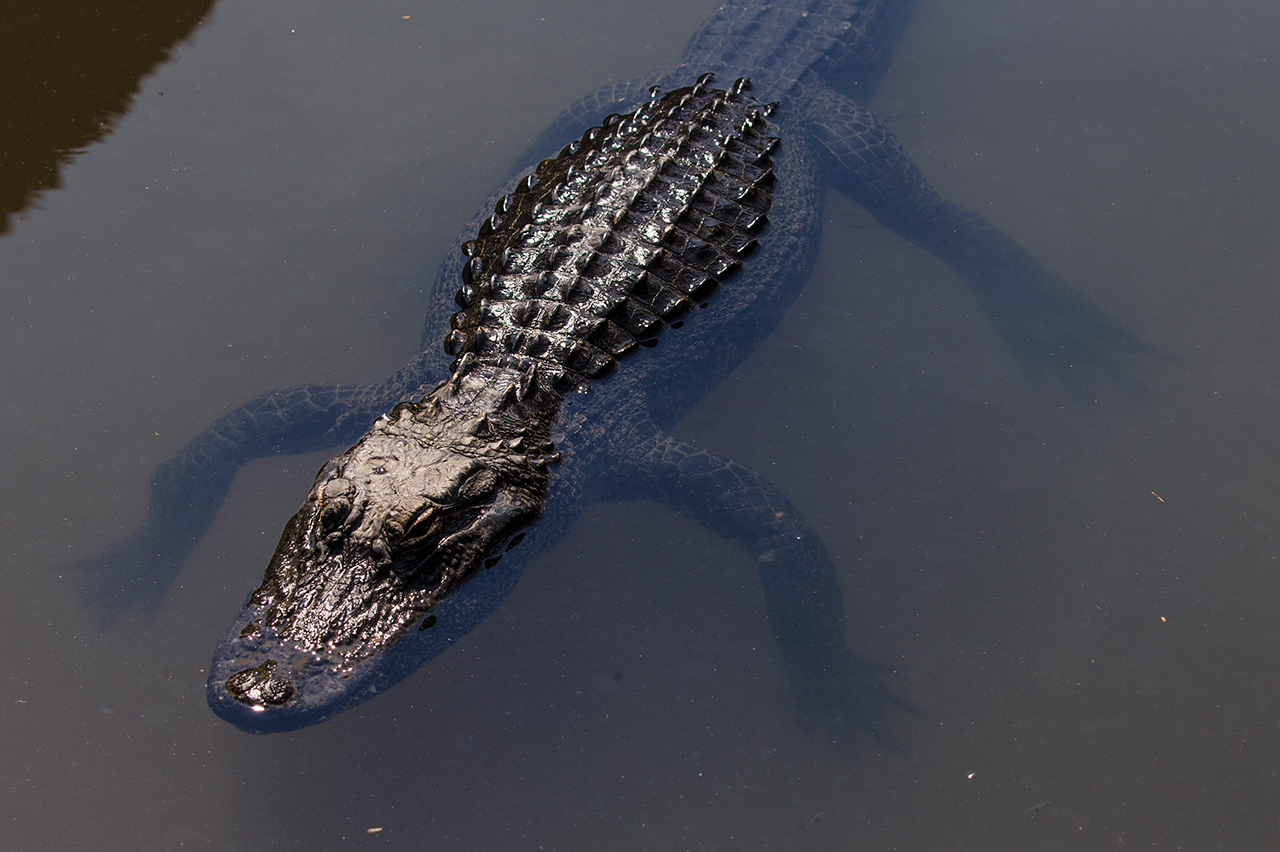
1077	590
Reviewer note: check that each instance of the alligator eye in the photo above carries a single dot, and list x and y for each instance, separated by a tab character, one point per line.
338	487
335	498
478	486
421	528
334	513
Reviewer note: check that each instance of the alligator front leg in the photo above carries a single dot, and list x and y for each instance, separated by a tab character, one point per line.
829	683
188	489
1046	323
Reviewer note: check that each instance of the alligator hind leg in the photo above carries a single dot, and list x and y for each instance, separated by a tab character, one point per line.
829	683
1047	324
188	489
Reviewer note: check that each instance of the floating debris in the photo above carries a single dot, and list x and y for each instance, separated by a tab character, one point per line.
1035	809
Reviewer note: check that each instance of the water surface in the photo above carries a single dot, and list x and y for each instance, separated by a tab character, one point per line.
1077	589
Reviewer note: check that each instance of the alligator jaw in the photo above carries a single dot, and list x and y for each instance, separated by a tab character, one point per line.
374	574
264	685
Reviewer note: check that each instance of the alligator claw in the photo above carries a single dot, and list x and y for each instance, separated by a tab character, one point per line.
1053	328
137	570
847	697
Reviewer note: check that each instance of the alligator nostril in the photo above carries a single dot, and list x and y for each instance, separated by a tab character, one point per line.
335	503
260	685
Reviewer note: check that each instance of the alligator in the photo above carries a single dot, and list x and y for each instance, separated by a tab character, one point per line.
594	301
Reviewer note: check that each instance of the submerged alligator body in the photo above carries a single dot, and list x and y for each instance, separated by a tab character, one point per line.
605	293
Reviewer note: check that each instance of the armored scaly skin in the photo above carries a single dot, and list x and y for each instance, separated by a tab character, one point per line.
616	237
595	253
608	277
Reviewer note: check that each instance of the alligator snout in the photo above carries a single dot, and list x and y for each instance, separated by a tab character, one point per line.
260	686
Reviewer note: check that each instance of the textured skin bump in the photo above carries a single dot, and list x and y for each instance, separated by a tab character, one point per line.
623	232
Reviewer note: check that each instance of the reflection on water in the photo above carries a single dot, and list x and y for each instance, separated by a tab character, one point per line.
71	71
1077	596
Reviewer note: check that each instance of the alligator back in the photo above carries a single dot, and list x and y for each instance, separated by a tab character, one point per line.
626	231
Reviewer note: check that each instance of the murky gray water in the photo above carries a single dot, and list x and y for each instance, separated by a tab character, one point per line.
1078	593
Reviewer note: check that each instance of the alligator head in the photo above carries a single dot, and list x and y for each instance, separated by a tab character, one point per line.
369	577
